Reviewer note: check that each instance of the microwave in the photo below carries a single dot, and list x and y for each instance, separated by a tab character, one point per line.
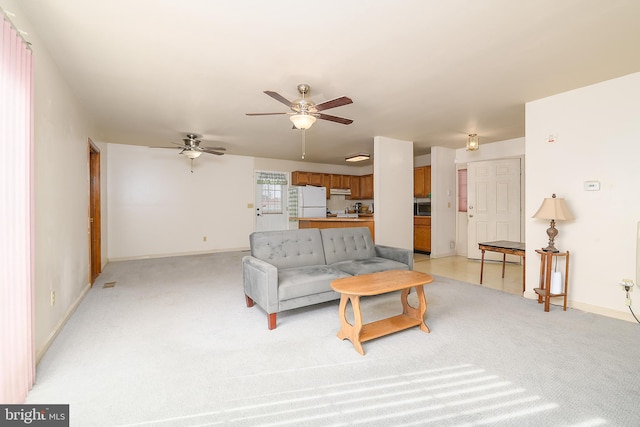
422	209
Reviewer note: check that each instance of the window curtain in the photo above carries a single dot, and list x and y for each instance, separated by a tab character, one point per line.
17	354
273	178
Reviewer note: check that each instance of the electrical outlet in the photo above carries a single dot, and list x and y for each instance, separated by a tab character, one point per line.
52	297
627	285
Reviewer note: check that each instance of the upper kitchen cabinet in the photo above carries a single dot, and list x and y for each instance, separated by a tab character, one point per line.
355	188
422	181
326	183
366	186
340	181
307	178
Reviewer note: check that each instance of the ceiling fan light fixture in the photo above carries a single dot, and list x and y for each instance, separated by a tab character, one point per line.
358	157
302	121
473	143
192	154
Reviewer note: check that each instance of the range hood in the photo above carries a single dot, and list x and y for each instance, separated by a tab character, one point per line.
340	191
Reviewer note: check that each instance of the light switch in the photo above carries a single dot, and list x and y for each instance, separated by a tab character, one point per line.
591	185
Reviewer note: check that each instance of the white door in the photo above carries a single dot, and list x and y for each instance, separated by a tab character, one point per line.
493	205
270	203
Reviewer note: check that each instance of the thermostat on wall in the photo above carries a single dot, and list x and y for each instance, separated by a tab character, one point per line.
591	185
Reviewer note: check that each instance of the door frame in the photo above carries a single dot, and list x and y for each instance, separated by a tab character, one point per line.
94	217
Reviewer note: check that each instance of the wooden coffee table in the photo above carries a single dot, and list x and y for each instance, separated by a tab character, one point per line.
352	288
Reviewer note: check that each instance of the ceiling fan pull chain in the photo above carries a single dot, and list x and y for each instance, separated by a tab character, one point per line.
303	143
191	165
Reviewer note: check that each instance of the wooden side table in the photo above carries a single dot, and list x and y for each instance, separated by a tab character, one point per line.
546	271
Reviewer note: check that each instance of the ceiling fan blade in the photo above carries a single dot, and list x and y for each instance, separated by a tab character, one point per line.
263	114
211	151
338	102
214	148
280	98
178	144
335	119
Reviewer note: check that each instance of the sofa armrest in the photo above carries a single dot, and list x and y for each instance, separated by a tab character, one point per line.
404	256
260	282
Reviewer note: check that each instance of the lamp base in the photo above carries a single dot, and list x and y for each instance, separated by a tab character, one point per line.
552	232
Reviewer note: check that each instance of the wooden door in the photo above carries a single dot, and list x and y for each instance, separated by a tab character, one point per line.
95	255
493	205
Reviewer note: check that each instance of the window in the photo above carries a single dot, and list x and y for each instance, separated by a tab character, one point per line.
271	199
270	190
462	190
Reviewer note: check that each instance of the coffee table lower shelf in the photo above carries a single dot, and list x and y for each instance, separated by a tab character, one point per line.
387	326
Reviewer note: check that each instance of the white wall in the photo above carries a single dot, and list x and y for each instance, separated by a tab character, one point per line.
158	207
393	192
62	129
443	202
598	138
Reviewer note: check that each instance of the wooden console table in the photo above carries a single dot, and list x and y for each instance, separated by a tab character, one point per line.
544	291
352	288
505	247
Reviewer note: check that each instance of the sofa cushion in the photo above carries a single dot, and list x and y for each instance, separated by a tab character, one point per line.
288	248
369	265
342	244
302	281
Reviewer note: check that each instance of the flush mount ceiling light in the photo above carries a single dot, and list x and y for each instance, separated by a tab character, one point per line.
358	157
302	120
473	143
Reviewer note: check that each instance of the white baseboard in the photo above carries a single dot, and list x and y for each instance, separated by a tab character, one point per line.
215	251
52	336
602	311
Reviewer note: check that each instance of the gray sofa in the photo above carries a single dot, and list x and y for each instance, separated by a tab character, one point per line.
294	268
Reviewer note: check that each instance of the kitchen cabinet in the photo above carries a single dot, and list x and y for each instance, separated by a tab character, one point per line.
340	181
366	186
422	233
422	181
361	186
326	183
307	178
355	188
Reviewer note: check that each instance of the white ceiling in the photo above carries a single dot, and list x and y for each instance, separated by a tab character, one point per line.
428	71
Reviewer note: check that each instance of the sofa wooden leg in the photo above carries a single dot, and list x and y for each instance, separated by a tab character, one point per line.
272	320
249	301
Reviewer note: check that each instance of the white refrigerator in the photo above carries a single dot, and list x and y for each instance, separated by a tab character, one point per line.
312	202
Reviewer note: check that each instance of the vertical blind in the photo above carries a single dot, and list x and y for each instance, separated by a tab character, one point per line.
17	354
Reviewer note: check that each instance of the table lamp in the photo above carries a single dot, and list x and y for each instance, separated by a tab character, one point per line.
553	208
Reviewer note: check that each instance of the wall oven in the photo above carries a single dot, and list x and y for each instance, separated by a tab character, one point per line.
422	209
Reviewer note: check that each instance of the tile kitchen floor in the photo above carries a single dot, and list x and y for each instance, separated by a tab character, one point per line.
468	270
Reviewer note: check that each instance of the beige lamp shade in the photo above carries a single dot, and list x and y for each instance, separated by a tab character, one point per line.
554	208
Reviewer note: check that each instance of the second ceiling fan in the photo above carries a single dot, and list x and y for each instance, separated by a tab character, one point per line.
304	112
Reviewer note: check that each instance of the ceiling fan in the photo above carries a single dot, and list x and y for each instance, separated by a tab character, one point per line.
191	147
304	112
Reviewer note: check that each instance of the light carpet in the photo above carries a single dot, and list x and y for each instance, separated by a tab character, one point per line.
173	344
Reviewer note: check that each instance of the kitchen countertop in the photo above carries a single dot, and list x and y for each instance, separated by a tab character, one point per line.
362	218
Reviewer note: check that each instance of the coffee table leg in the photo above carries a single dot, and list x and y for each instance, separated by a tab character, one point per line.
347	330
415	313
